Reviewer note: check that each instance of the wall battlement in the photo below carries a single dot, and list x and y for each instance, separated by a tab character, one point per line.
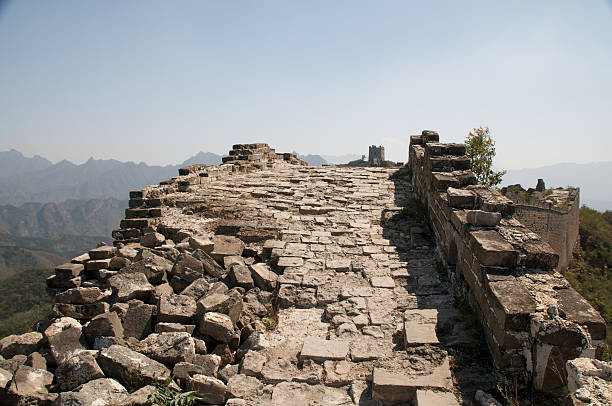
533	320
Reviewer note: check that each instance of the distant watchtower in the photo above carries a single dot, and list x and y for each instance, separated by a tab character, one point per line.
376	155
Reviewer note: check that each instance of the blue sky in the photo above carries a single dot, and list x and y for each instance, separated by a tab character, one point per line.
159	81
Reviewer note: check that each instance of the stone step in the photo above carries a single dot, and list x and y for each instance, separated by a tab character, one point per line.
391	388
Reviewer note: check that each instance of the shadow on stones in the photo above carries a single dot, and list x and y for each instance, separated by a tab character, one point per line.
408	229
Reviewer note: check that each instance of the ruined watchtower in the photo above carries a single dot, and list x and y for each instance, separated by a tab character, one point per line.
376	155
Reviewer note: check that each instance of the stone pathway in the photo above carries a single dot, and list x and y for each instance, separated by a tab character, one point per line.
364	317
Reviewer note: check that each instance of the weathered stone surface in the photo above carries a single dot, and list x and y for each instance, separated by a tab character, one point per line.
244	387
420	327
196	289
290	295
320	350
481	218
229	304
152	265
431	398
99	392
169	348
84	312
211	390
218	326
20	344
252	363
210	266
201	242
589	380
209	363
121	363
28	381
226	246
36	361
105	325
393	388
163	327
492	250
64	338
151	240
127	286
116	263
102	252
298	394
382	282
175	308
264	277
137	320
461	198
78	370
240	275
141	397
69	270
284	262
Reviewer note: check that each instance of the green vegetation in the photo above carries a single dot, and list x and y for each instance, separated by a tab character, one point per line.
166	396
480	147
23	301
589	270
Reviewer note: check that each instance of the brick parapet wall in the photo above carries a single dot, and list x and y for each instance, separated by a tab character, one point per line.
532	319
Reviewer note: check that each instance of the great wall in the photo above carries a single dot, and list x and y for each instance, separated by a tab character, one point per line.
263	281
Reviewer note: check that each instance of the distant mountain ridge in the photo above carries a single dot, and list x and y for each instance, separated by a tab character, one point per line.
94	217
36	179
592	179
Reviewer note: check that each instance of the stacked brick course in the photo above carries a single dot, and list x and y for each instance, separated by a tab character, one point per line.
533	320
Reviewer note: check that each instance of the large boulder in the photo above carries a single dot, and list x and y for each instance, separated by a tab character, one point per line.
218	326
138	318
127	286
211	390
229	304
30	385
79	295
176	308
103	325
169	348
64	338
78	370
99	392
125	365
20	344
152	265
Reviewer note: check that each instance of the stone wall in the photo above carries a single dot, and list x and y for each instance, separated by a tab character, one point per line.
559	228
532	319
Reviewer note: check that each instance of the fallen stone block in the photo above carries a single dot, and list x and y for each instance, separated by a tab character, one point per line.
218	326
431	398
264	277
122	363
127	286
99	392
224	246
137	320
420	327
78	370
64	338
103	252
211	390
175	308
168	348
20	344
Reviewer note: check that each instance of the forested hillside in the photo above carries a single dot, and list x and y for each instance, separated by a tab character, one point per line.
589	271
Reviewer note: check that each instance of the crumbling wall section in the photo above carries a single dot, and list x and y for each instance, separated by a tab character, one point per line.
560	229
532	319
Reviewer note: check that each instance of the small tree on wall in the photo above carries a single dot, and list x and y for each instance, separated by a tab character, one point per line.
480	147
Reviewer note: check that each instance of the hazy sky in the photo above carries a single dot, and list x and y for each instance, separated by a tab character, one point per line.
159	81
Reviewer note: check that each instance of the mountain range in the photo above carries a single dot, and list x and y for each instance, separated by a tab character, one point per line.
24	180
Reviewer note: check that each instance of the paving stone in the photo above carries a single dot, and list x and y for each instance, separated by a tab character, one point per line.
319	349
431	398
420	327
